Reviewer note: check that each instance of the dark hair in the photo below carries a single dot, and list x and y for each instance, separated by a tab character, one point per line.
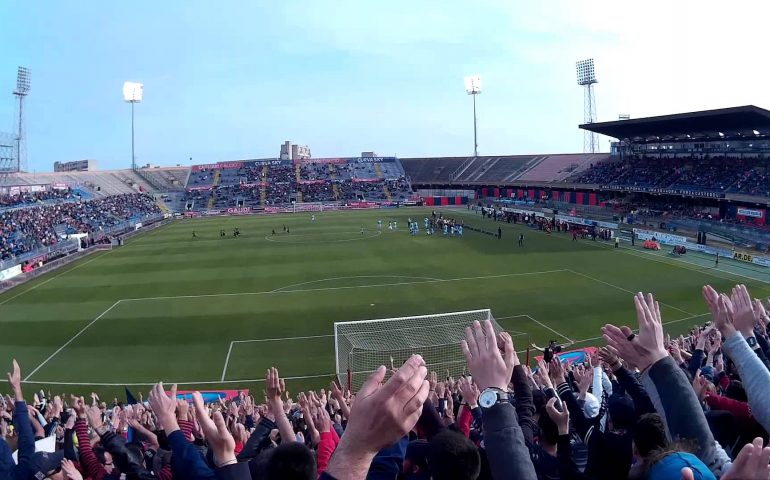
291	461
549	431
451	456
650	434
99	452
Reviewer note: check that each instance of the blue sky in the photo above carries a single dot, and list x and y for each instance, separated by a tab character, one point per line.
231	80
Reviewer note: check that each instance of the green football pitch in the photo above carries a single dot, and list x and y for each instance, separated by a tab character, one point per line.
212	312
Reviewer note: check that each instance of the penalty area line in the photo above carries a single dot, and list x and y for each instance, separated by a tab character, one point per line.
79	333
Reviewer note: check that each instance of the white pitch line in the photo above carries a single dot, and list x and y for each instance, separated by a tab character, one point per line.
71	340
636	330
280	339
348	278
651	256
54	277
347	287
625	290
227	361
549	328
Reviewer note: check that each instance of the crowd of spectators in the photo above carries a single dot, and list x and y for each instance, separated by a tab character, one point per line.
34	198
715	174
316	183
23	230
645	406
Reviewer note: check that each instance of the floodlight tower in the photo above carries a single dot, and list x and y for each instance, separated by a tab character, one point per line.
586	77
473	88
22	89
132	93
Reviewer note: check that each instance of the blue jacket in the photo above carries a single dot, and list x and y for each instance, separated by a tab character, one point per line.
22	470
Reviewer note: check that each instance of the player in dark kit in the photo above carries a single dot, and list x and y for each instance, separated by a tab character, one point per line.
499	233
521	240
195	235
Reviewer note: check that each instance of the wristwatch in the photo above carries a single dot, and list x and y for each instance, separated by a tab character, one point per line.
752	341
492	396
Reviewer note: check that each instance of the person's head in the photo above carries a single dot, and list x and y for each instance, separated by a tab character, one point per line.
622	412
105	458
670	467
649	435
416	458
290	461
451	456
47	465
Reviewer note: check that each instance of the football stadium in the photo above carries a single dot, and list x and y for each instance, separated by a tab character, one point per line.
517	316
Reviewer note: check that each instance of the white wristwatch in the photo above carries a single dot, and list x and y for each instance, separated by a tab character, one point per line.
492	396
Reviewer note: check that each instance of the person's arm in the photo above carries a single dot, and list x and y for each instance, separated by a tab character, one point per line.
234	471
430	421
754	375
635	389
464	419
678	406
25	437
88	461
507	453
275	388
525	406
579	421
257	439
740	410
325	450
388	462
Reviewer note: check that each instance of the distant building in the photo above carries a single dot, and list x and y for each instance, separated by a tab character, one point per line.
290	151
369	155
75	166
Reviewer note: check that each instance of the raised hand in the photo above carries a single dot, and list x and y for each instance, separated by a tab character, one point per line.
723	319
164	407
556	371
94	416
470	393
560	418
542	374
610	357
14	379
381	414
70	471
218	437
488	366
647	347
743	311
752	463
79	405
182	409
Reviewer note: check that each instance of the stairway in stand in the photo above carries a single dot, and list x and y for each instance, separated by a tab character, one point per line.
263	188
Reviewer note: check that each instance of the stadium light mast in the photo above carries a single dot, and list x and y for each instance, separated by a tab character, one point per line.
132	93
22	89
586	77
473	88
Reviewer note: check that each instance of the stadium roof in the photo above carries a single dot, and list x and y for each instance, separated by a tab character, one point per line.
714	124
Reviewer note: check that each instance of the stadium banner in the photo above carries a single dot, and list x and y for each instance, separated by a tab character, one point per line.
661	237
238	210
266	163
218	165
375	159
360	205
743	257
367	180
192	214
207	213
761	261
313	182
210	396
203	187
665	191
708	250
9	273
59	186
337	161
254	185
750	212
586	221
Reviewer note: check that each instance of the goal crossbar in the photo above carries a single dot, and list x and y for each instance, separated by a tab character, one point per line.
360	347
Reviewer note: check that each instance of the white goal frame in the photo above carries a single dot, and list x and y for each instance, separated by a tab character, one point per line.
343	347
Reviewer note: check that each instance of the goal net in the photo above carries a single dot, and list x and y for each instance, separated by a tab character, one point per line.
363	346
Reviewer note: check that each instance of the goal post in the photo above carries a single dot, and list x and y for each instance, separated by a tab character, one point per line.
362	346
